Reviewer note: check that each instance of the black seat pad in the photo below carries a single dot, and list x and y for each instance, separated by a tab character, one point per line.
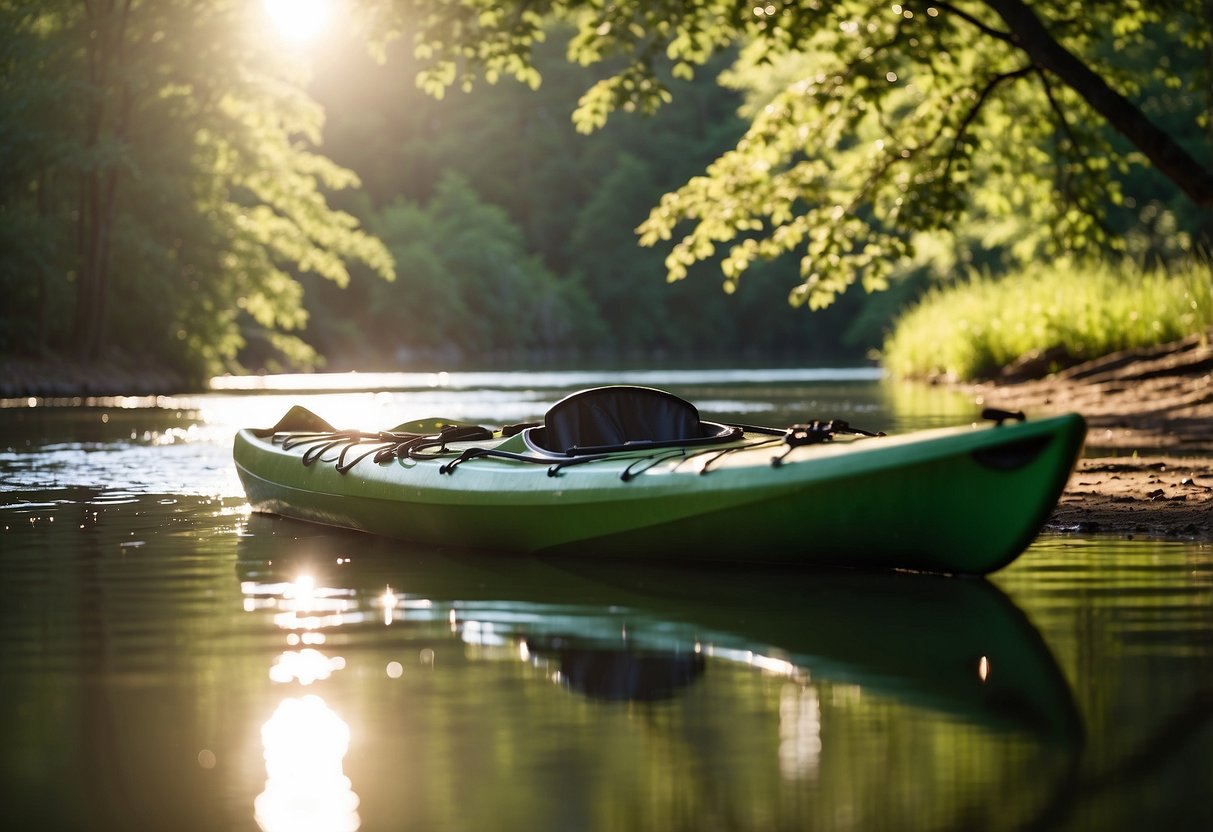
610	416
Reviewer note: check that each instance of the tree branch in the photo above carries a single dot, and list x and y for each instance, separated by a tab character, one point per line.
1055	106
1030	35
985	93
1076	147
972	21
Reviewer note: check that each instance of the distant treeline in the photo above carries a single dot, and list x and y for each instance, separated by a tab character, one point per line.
514	235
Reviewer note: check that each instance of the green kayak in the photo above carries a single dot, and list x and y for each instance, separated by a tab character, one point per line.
635	472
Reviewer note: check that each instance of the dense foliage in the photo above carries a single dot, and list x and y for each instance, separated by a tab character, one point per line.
898	119
536	200
159	193
163	190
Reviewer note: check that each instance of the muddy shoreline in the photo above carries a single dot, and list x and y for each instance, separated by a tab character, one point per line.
1147	467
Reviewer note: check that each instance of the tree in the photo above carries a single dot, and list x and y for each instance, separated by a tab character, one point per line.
618	276
471	290
162	156
906	118
577	199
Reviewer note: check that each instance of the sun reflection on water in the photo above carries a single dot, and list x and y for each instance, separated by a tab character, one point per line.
306	787
306	610
799	732
304	740
305	666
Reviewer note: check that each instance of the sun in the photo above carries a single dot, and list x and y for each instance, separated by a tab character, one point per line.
298	21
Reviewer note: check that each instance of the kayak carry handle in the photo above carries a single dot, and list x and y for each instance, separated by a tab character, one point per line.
998	415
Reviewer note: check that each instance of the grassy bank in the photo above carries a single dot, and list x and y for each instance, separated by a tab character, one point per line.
1049	317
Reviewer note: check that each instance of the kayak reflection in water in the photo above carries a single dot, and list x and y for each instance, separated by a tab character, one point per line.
620	675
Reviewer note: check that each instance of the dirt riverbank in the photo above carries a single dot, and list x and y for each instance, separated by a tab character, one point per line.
1147	470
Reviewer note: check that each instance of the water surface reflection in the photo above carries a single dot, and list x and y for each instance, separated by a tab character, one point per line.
751	673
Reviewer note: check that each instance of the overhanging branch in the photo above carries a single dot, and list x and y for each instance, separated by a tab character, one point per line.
969	116
1030	35
972	21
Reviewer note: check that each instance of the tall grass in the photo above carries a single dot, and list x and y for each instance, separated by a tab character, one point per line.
972	329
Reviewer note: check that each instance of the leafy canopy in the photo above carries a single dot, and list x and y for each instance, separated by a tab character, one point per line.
895	119
160	160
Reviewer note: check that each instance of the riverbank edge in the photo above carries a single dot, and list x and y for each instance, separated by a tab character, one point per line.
61	378
1147	467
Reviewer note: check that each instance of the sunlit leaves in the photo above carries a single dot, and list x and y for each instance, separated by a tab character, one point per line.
874	122
460	41
464	39
876	138
220	197
272	198
627	90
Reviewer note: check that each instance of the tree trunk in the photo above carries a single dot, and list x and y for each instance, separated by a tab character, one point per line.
92	227
99	189
42	332
1192	177
86	215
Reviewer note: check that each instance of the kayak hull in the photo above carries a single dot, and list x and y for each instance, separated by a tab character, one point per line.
956	500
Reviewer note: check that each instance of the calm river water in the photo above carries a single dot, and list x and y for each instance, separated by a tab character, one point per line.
171	661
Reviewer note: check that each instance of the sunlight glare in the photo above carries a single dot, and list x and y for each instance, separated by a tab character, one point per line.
304	666
388	602
305	786
298	21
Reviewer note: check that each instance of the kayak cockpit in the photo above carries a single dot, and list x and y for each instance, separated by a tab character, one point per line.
623	418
